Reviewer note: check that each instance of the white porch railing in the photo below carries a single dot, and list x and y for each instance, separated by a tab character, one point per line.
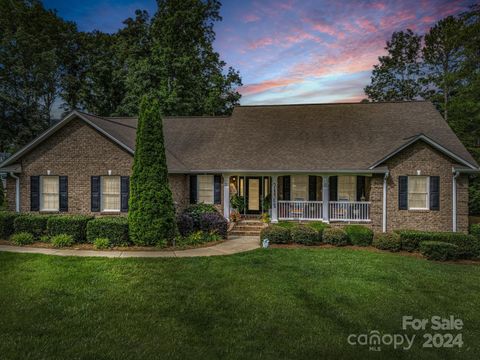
349	210
299	210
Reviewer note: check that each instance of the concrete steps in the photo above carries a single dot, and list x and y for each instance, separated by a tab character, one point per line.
247	228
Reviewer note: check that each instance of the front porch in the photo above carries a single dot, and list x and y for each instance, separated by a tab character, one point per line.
327	198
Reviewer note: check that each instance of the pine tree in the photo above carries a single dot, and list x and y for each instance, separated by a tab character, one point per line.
151	214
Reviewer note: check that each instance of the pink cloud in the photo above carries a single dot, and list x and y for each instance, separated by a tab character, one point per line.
267	85
262	42
366	25
248	18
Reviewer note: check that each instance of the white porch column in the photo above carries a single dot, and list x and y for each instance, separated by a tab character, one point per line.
274	218
226	196
325	197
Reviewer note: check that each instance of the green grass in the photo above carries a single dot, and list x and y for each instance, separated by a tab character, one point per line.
265	304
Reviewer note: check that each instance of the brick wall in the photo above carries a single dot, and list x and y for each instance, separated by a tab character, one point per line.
79	151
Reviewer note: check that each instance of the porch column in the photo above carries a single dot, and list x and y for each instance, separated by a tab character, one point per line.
226	197
274	218
325	197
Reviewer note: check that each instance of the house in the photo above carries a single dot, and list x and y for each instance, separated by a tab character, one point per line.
387	165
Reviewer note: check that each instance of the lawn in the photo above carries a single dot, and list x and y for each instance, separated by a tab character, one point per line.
265	304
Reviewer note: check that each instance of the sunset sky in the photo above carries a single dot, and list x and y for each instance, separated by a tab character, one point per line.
290	51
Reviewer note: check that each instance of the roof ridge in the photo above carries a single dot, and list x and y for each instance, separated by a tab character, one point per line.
335	103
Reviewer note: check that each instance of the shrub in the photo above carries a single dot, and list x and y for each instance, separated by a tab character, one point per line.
185	224
214	223
44	239
359	235
62	240
319	227
410	239
196	210
75	225
6	223
22	238
304	235
475	230
335	236
114	229
387	241
276	234
32	223
287	224
438	250
101	243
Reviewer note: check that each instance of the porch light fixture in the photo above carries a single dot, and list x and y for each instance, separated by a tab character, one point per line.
419	172
109	172
48	172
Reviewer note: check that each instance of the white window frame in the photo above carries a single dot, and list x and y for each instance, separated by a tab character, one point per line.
354	188
42	193
213	189
102	207
427	199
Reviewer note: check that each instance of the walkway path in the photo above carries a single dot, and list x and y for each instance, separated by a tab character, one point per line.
231	246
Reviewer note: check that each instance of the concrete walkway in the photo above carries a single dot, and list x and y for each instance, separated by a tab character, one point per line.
228	247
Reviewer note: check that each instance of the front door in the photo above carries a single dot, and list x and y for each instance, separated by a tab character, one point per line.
254	205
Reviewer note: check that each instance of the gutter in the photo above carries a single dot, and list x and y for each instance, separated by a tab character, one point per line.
454	201
384	203
17	192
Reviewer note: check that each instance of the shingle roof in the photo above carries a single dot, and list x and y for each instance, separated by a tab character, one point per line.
313	137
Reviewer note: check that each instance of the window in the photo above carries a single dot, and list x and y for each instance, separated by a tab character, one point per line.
347	188
205	189
49	199
110	193
299	184
418	193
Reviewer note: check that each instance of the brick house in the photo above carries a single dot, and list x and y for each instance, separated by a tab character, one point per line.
386	165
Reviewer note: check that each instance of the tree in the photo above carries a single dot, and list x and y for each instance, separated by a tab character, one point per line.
2	195
442	56
396	76
151	213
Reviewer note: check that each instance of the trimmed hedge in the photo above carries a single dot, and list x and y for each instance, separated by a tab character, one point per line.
387	241
475	230
276	234
304	235
62	240
185	224
213	223
359	235
335	236
439	250
196	210
6	223
468	245
114	229
74	225
22	238
31	223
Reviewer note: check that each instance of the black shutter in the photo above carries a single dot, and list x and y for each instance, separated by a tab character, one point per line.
312	188
193	189
217	189
124	193
34	193
286	188
95	193
435	193
333	186
63	184
360	187
403	192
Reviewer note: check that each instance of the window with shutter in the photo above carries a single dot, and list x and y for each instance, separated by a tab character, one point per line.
110	190
49	193
205	189
418	198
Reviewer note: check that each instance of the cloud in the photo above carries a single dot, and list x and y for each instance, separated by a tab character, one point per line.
248	18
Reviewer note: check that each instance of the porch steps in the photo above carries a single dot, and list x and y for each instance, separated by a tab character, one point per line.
247	228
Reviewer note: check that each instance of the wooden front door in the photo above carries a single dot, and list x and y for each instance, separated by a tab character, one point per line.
254	192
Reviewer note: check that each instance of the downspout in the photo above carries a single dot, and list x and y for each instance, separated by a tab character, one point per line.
384	203
17	192
454	201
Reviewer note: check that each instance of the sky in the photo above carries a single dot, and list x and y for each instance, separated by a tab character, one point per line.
290	51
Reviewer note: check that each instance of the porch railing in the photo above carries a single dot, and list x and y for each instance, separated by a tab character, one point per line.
349	210
300	210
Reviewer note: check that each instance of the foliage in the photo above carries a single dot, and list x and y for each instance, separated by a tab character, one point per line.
237	202
22	238
44	239
387	241
185	224
287	224
411	239
115	229
6	223
62	240
151	211
335	236
74	225
475	230
276	234
438	250
359	235
474	196
197	238
32	223
101	243
2	197
265	218
214	223
305	235
196	210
